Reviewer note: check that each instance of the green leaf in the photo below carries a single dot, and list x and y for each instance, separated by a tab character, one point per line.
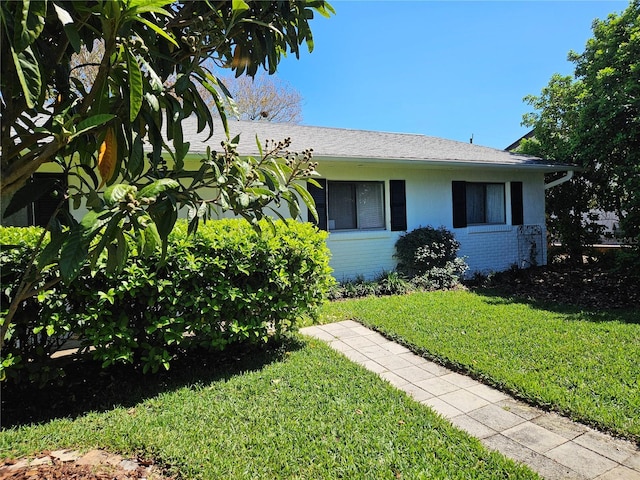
307	199
151	239
157	187
73	255
50	252
28	72
122	251
152	101
93	221
165	214
29	23
142	6
239	6
91	123
136	158
135	85
94	201
157	29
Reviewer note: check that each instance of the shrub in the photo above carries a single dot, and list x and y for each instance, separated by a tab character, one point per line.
38	328
228	284
428	256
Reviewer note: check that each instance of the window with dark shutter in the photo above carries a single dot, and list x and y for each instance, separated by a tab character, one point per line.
398	195
320	198
517	210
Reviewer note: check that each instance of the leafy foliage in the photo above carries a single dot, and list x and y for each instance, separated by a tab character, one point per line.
151	72
593	120
227	284
428	256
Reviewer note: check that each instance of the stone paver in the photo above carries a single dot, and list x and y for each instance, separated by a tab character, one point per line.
497	417
554	446
535	437
582	460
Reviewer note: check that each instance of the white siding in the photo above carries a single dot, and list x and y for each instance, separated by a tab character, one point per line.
429	202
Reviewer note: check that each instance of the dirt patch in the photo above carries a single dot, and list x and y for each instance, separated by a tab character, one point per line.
72	465
589	286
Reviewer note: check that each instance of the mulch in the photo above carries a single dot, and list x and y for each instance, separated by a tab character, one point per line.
588	286
71	465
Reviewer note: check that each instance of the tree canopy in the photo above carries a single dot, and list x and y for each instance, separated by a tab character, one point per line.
592	119
265	98
123	129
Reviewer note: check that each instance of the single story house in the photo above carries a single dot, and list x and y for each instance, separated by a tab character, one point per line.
379	185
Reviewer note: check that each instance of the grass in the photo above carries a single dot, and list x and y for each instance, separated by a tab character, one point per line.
581	363
301	412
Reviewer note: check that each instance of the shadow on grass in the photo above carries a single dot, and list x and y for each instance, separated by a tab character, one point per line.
87	387
574	312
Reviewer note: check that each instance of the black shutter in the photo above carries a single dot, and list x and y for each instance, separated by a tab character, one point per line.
320	198
51	188
517	213
459	194
398	195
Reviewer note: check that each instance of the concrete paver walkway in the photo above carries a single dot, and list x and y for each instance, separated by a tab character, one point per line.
552	445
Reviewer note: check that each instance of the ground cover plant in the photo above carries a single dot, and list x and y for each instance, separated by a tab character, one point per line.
298	411
581	362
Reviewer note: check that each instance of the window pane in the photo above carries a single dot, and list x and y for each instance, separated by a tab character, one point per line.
342	206
370	205
495	203
475	203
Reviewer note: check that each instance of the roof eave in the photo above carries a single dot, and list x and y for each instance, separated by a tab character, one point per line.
451	163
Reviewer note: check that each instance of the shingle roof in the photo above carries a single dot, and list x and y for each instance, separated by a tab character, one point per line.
363	145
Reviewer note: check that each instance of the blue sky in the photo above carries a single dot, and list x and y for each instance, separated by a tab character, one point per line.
450	69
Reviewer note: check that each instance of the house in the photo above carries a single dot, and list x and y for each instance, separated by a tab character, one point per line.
379	185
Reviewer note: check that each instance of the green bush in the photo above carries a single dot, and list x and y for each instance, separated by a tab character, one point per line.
38	327
428	256
228	284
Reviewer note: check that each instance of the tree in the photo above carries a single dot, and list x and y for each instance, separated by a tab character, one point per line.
569	204
264	98
153	59
593	120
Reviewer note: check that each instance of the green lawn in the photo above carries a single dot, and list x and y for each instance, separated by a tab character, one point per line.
584	364
307	412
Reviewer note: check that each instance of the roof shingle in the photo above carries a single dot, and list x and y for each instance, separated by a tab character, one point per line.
363	145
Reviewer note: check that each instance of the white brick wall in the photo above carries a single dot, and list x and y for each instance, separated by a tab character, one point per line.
429	202
366	254
496	248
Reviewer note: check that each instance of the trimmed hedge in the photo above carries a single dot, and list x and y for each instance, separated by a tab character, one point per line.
228	284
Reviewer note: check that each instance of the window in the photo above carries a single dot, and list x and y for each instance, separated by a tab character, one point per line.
355	205
485	203
346	205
